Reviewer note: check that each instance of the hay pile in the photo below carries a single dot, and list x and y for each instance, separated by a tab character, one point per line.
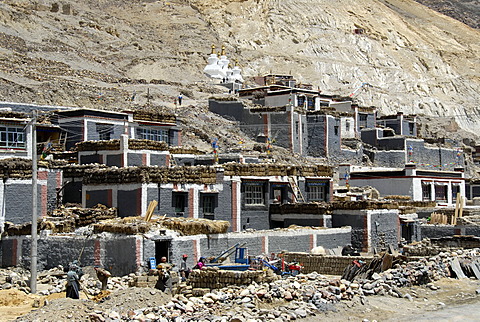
194	226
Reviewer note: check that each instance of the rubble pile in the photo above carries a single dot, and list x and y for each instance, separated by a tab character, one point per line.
54	281
434	246
285	299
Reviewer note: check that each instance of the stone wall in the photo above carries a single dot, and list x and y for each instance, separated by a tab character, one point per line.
124	254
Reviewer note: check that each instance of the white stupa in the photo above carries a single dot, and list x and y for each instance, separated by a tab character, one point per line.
218	67
213	68
236	74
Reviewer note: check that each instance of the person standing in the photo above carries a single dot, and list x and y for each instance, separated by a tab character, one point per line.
102	275
180	97
164	280
184	270
74	275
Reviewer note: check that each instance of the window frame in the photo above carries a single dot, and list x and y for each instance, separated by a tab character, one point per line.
316	195
104	131
176	197
426	191
208	205
254	194
154	134
9	137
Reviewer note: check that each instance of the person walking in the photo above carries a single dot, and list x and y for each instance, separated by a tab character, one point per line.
74	275
180	97
102	275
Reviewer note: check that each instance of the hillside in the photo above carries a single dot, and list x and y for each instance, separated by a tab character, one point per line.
101	53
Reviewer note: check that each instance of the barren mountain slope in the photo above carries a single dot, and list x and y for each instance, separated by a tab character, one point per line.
100	52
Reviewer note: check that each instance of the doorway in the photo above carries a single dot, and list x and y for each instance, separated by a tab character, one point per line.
163	248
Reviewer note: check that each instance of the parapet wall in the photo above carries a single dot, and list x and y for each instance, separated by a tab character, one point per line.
323	264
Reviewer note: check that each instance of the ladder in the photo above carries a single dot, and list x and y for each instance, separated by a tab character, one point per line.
172	161
296	190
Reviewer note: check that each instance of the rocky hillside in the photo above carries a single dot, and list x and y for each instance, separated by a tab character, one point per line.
104	52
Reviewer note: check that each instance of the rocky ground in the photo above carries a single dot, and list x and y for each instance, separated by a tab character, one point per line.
416	287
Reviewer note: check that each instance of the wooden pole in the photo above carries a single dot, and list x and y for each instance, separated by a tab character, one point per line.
33	264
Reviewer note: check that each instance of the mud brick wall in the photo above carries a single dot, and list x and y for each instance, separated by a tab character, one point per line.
144	281
214	278
329	265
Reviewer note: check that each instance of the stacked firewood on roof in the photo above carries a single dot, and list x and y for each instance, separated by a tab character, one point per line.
155	116
16	168
47	223
85	216
98	145
194	226
127	226
65	220
264	169
138	144
184	150
197	174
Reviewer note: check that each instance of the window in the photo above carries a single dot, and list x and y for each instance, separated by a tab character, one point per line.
105	131
440	192
411	128
179	201
153	134
310	103
455	192
12	137
300	101
208	206
426	192
316	191
347	126
335	130
362	120
254	195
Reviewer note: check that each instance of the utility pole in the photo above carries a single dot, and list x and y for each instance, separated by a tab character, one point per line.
33	264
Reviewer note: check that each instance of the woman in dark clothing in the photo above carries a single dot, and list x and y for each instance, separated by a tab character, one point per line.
73	280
